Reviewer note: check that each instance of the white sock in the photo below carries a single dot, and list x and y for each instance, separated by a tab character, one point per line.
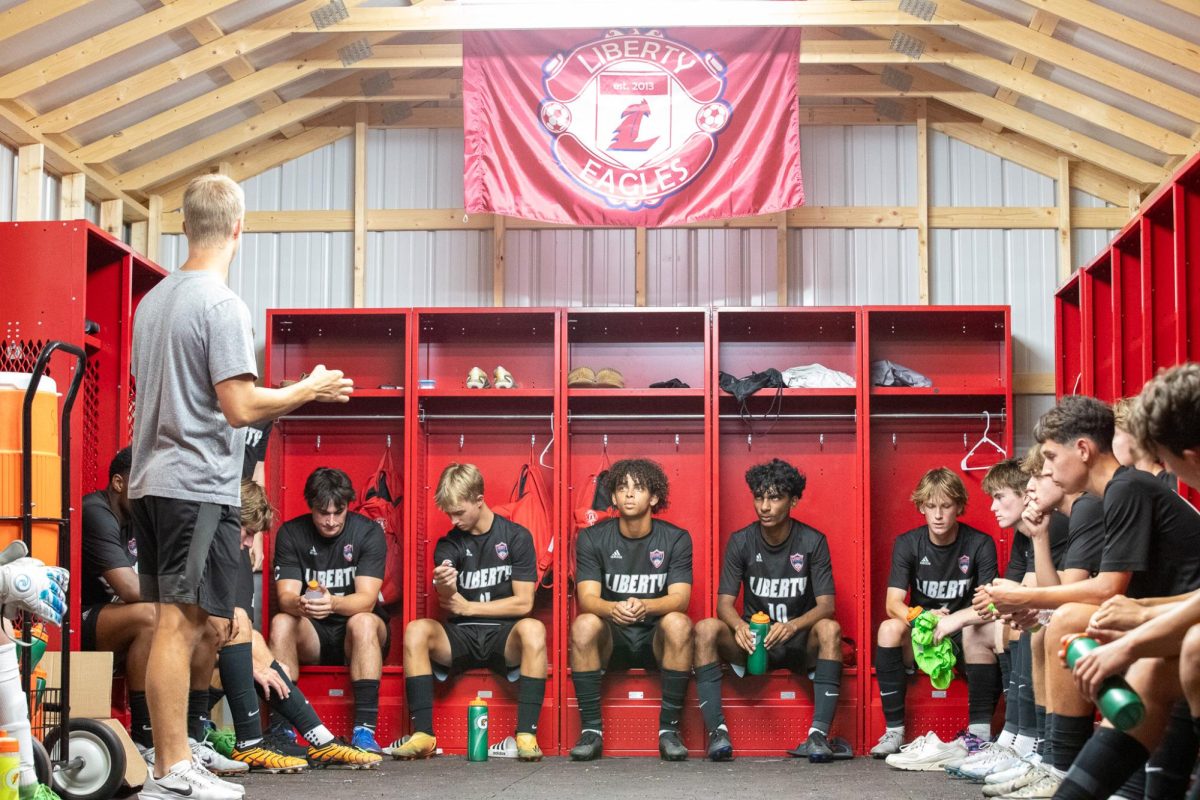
1058	773
1024	745
981	729
1006	738
14	710
319	736
899	730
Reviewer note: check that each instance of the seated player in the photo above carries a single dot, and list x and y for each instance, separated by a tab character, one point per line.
937	566
1165	421
485	576
1131	454
328	570
782	566
633	586
115	618
246	661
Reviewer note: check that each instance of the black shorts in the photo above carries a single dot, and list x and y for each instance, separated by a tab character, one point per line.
791	655
88	619
633	646
331	637
245	585
188	553
475	644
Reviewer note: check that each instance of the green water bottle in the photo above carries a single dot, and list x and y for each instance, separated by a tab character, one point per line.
477	730
10	768
760	624
1119	704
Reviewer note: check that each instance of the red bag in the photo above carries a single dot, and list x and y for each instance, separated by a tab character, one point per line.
599	509
381	502
530	508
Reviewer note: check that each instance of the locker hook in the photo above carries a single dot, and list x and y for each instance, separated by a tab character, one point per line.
461	440
677	443
749	442
821	442
606	444
389	441
893	441
533	440
318	442
965	445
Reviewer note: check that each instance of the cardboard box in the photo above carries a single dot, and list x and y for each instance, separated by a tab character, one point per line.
135	765
91	682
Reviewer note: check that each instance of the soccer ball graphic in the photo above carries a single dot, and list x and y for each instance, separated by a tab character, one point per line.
555	116
712	117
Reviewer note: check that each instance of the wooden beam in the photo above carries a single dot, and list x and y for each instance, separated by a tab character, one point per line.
781	258
360	208
1063	190
154	227
72	196
1042	23
32	13
1033	383
1109	219
112	218
852	217
922	203
410	90
139	236
30	180
283	222
106	44
499	259
639	266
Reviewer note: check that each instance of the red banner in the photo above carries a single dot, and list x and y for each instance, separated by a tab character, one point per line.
631	129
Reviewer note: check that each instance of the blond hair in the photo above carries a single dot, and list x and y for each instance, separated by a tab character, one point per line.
1122	411
257	514
1009	473
213	205
1034	462
458	483
940	481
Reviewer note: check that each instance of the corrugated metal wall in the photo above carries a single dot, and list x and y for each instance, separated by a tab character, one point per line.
8	182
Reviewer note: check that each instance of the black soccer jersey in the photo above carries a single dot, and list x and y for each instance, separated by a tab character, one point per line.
942	576
1169	480
641	568
1152	532
256	447
106	546
1021	559
1086	543
488	563
783	581
302	554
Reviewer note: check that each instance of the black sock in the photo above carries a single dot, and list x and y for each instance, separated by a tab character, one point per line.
1027	708
1010	681
215	696
420	702
1103	765
983	689
893	684
139	719
366	703
1068	735
197	713
1005	661
674	687
1040	715
708	689
1134	787
827	684
1170	765
237	676
587	691
530	695
293	711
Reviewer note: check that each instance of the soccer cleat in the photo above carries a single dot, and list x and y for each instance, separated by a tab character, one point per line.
186	780
222	740
263	759
214	762
527	747
589	747
1018	781
819	751
671	747
1041	789
282	739
993	759
502	378
339	755
477	379
364	739
888	744
926	753
419	745
720	748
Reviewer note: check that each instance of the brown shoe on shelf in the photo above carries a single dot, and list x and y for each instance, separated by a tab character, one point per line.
581	378
609	378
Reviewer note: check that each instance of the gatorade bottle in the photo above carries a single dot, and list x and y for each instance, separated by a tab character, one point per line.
477	730
760	623
10	768
1119	704
38	645
314	591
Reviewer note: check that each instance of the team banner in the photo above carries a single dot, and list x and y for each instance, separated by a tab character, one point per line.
644	128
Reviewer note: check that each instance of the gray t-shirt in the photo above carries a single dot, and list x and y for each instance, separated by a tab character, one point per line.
190	333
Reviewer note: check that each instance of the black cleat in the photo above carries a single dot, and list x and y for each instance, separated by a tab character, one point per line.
589	747
719	746
819	751
282	739
671	747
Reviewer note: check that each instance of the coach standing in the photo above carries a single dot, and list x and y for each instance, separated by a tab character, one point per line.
193	358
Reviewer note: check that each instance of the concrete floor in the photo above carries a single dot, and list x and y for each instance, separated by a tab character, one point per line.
454	778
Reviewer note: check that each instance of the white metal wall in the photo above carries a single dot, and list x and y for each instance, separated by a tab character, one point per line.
8	183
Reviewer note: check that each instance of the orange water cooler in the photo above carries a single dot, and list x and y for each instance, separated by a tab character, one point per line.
46	463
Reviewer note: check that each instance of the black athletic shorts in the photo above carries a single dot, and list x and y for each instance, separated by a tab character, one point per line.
331	635
791	655
88	619
245	585
633	646
188	552
476	644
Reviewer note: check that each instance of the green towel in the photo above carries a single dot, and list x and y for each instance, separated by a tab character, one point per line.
935	660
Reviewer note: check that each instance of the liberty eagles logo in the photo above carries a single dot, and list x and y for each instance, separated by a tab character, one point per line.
964	564
656	558
502	550
633	117
797	560
348	552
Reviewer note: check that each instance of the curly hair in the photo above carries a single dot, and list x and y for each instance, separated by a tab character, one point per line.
1167	412
1034	462
257	514
1077	417
645	473
776	476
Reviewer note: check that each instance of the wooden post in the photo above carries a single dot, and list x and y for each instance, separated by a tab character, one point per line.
30	178
360	204
139	236
923	201
154	226
781	258
639	266
1065	256
72	197
499	254
112	217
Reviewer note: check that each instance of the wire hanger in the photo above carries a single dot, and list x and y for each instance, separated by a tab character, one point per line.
542	458
983	440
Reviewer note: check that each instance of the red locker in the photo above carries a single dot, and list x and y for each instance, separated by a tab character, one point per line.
1068	338
1096	287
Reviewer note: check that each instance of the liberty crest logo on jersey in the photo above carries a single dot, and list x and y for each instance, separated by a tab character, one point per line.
964	564
797	560
348	553
633	116
502	550
656	558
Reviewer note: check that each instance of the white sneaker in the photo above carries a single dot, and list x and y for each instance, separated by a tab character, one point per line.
1031	775
1015	771
1041	789
992	759
214	762
505	748
926	753
888	744
185	780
